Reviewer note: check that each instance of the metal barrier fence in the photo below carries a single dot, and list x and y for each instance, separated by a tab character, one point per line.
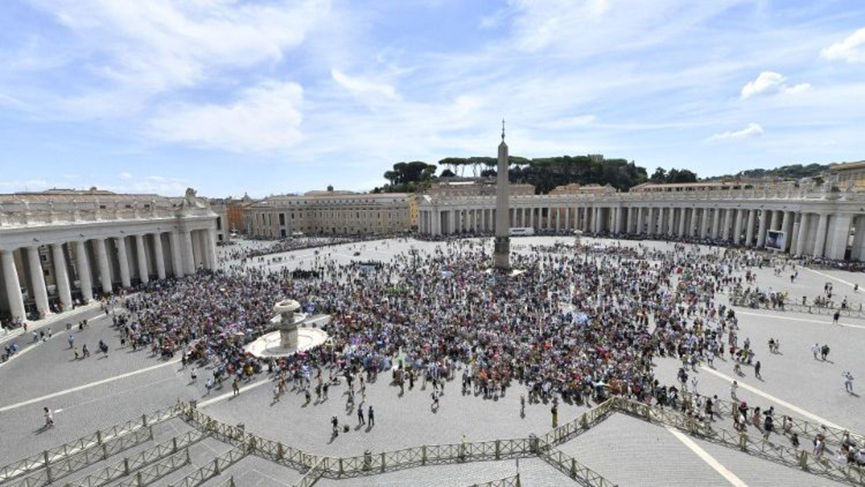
83	459
582	423
61	457
213	469
513	481
766	449
571	467
369	463
131	465
849	312
803	428
152	473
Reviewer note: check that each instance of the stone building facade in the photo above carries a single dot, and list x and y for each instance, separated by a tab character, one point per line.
329	212
821	220
59	248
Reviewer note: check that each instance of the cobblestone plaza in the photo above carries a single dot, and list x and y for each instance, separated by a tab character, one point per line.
104	390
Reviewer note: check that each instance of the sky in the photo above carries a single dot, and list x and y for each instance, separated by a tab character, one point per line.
276	96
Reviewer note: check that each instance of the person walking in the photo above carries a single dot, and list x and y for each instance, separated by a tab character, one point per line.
360	420
836	316
49	417
370	414
757	368
235	387
824	352
815	350
848	381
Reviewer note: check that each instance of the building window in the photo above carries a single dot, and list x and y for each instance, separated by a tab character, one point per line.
282	218
219	223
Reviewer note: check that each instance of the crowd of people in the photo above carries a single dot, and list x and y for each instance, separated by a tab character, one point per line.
579	324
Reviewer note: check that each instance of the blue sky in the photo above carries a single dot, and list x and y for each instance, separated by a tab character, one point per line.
274	96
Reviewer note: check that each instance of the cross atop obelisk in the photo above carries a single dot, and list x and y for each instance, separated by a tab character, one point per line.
501	255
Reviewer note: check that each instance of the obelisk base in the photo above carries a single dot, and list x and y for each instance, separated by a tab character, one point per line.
501	254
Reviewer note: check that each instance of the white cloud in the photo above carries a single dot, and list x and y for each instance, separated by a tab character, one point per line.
768	83
851	49
364	88
125	176
752	130
143	48
263	118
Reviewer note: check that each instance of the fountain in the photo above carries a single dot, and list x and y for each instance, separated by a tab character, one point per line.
290	335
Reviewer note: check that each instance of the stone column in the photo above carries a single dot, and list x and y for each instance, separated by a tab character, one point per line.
37	278
84	279
801	237
840	234
787	228
704	222
211	248
639	221
12	285
820	239
123	261
716	223
61	276
143	274
858	238
761	233
737	230
682	221
189	254
773	220
728	224
160	255
104	268
749	231
177	255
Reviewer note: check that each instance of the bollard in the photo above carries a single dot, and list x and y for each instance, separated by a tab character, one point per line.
498	449
743	441
144	420
174	445
340	466
382	462
216	466
533	444
138	480
573	468
423	455
150	431
280	452
98	437
584	421
125	467
48	474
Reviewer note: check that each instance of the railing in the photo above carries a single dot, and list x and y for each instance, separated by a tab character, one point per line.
513	481
582	423
376	463
766	449
83	459
803	428
130	465
56	456
213	469
849	312
571	467
151	474
311	477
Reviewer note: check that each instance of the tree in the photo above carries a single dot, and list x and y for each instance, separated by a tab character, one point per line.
659	176
447	173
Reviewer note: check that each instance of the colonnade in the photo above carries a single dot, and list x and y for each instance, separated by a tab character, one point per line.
78	268
796	229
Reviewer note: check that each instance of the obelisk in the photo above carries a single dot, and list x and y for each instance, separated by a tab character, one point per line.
501	255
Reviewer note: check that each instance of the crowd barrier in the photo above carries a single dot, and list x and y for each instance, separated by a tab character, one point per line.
848	312
212	469
75	455
149	466
151	456
805	429
765	449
